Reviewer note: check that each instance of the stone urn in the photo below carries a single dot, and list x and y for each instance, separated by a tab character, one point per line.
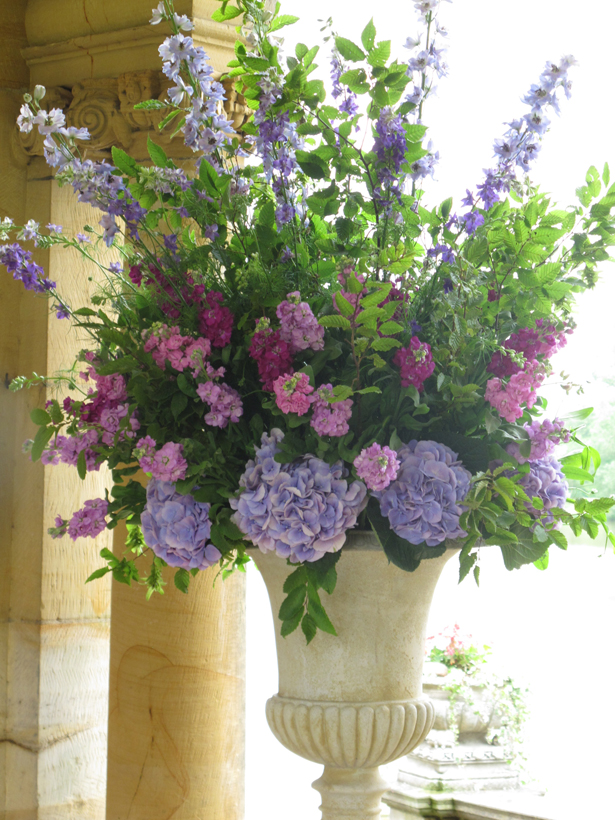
354	702
457	756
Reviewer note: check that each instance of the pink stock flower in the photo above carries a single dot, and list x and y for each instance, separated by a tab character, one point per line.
87	522
224	401
520	389
415	363
168	463
272	354
330	419
216	321
377	466
298	325
292	393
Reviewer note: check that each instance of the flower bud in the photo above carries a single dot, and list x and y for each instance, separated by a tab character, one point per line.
39	92
27	98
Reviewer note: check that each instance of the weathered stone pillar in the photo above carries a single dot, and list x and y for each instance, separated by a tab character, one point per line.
183	656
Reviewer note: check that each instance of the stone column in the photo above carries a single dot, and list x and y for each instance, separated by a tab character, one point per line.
185	653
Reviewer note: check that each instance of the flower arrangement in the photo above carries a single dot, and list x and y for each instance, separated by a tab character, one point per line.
290	342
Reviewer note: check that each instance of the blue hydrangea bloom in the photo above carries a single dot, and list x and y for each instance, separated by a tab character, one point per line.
422	505
176	527
301	510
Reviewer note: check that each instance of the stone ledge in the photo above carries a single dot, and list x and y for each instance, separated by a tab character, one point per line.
419	804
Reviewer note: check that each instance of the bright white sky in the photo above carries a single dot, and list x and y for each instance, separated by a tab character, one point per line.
496	50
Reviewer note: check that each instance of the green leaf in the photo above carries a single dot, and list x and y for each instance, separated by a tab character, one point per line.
290	624
309	628
333	320
348	49
378	56
293	603
98	573
123	162
156	153
542	562
390	328
295	579
223	14
317	612
256	63
56	413
559	539
81	465
343	228
182	580
283	20
209	178
179	402
312	165
368	36
576	473
386	343
344	306
123	365
40	442
40	417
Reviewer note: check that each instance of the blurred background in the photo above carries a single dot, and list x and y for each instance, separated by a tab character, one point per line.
551	630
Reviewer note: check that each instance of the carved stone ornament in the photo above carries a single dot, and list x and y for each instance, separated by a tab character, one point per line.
349	735
106	107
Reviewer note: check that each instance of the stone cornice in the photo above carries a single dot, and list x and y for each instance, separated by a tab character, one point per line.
106	107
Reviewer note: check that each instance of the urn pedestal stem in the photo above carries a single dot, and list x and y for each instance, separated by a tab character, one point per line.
353	702
350	794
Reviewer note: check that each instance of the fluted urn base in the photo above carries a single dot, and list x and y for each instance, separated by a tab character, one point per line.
349	735
354	701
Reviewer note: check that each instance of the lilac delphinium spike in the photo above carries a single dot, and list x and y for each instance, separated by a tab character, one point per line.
348	104
520	145
276	143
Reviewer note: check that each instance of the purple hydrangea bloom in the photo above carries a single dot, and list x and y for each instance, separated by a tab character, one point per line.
423	504
176	527
546	481
301	510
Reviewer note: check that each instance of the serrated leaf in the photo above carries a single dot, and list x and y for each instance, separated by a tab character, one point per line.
344	306
98	573
283	20
295	579
386	343
290	624
378	56
317	612
333	320
348	49
293	603
182	580
123	162
308	626
229	13
156	153
368	37
390	328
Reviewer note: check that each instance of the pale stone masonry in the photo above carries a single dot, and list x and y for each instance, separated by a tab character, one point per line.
177	664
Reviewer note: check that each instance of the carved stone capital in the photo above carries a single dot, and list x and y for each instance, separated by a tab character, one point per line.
106	107
349	735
